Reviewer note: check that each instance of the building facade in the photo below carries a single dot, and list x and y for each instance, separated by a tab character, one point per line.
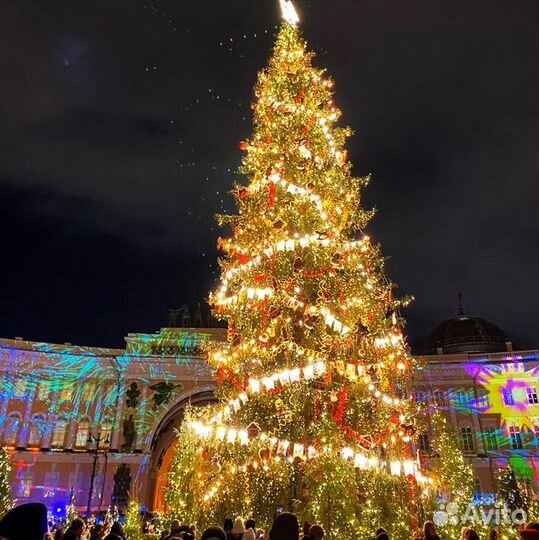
72	414
68	414
489	394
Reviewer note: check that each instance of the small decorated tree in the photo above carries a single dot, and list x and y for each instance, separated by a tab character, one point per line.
454	478
6	499
133	521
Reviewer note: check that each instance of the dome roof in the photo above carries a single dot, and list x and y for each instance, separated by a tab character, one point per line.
465	334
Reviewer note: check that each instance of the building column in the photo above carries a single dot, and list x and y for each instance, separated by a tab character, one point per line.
72	426
4	398
141	437
24	433
118	415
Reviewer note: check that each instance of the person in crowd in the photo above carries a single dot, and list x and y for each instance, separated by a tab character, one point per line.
381	534
186	533
250	524
237	529
175	529
316	532
25	522
260	534
530	531
213	533
429	531
249	534
285	527
193	529
470	534
75	530
164	534
59	533
48	536
116	532
306	527
97	532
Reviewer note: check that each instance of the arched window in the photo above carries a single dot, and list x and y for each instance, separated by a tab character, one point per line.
36	431
83	432
13	424
105	434
59	433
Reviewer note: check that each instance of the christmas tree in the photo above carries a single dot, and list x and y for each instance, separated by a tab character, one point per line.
6	501
455	479
133	521
314	416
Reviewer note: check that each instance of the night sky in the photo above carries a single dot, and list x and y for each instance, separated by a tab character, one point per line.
119	130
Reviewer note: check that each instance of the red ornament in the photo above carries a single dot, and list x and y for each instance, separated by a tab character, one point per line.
244	145
272	190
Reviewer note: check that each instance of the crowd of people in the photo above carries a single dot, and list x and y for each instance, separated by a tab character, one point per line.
29	522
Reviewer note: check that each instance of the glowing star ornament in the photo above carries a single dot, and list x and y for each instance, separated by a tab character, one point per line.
289	12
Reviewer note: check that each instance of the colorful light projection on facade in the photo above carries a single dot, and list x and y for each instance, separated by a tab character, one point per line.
86	385
510	390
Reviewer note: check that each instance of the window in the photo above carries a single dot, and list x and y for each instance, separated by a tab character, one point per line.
439	398
490	439
515	438
507	395
531	391
36	431
52	482
482	401
66	393
24	486
83	432
12	429
477	485
461	397
89	391
43	391
421	397
536	431
467	438
106	431
424	443
19	390
59	433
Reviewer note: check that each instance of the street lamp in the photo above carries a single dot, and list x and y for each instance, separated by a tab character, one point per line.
97	439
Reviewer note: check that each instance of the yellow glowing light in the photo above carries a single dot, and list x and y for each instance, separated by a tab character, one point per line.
289	12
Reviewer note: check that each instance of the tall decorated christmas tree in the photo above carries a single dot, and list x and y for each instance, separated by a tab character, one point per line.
313	415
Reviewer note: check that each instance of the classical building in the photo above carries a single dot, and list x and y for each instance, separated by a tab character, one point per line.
57	400
489	392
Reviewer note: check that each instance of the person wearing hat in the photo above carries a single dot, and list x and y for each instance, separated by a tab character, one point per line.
25	522
285	527
237	529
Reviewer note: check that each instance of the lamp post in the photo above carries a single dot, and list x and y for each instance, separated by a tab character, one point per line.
97	439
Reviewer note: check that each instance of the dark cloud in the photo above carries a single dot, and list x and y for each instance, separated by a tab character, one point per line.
118	143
